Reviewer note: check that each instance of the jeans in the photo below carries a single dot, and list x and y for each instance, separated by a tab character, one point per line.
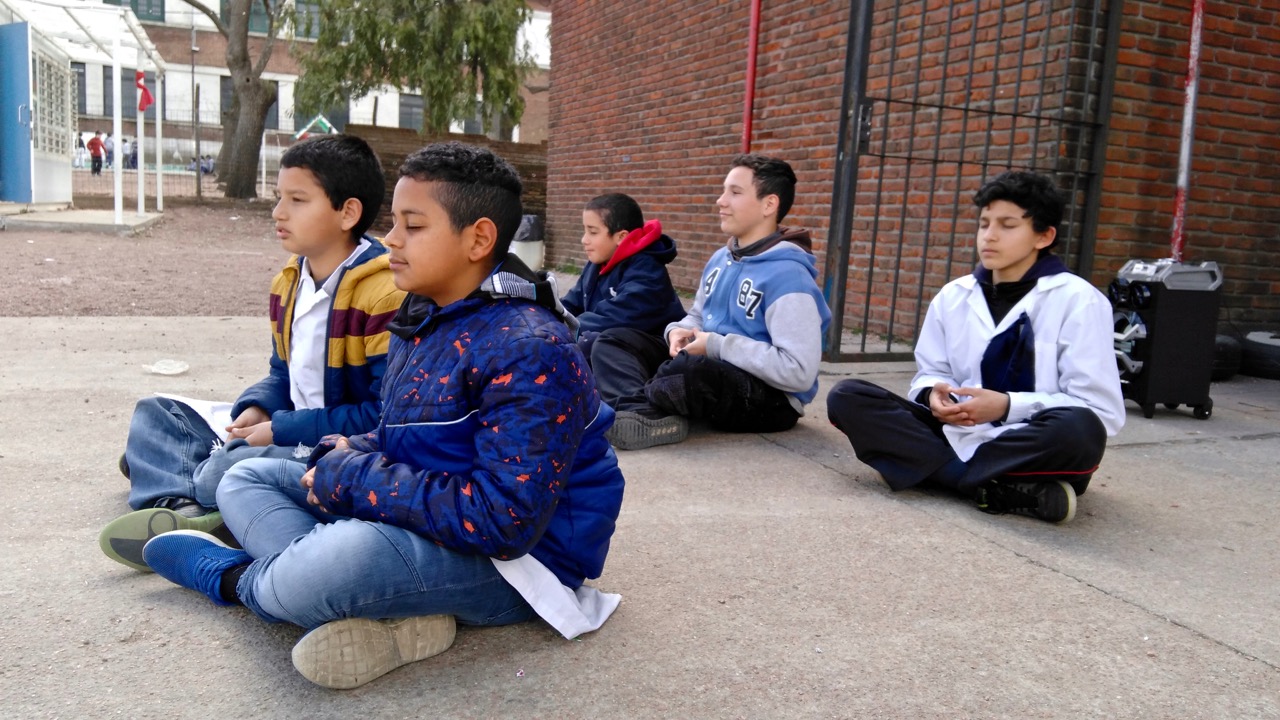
311	567
170	452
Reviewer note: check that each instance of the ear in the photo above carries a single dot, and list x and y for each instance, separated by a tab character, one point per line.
351	210
769	205
481	238
1046	238
619	236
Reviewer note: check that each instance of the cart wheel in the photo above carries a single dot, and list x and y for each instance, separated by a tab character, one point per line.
1171	406
1148	411
1202	412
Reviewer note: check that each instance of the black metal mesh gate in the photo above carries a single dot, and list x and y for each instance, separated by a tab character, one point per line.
938	97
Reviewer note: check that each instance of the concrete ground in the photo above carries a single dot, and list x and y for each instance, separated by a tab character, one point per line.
762	576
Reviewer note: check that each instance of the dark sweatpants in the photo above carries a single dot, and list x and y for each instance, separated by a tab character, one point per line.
904	442
635	372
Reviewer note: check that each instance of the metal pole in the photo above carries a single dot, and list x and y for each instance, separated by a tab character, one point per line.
1098	158
199	172
1179	239
116	122
142	131
159	142
748	106
835	274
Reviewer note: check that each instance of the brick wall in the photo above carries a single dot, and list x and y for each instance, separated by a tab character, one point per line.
646	99
659	114
393	145
1233	209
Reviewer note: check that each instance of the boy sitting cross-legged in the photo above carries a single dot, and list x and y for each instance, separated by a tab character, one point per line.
745	358
329	308
1016	389
488	492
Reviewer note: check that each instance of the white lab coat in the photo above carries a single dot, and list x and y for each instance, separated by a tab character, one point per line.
1075	353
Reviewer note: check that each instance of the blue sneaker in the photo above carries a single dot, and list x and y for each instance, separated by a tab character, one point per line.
194	560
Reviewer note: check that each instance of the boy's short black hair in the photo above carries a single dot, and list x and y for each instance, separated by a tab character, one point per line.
346	167
617	211
474	183
1038	195
772	177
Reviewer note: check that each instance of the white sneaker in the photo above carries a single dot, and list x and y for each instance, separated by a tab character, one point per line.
348	653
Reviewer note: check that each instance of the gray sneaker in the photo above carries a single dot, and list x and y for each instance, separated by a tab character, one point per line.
633	431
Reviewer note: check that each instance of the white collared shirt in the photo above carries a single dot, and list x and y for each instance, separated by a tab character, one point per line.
309	338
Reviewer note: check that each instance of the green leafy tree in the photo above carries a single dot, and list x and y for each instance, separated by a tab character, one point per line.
252	97
449	51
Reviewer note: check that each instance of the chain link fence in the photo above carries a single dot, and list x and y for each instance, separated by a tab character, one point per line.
187	157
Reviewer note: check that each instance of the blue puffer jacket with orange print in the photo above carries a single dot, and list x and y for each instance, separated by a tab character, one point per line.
492	433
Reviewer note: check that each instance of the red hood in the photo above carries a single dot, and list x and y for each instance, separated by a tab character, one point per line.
634	243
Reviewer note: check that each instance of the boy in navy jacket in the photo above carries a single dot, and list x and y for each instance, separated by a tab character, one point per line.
329	310
625	282
488	492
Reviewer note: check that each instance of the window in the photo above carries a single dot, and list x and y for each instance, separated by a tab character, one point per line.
108	107
411	109
82	104
307	20
145	9
257	16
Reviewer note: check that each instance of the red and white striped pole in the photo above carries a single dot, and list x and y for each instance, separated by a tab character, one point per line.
1179	240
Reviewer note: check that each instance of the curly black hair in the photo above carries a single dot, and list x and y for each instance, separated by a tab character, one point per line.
473	183
1038	195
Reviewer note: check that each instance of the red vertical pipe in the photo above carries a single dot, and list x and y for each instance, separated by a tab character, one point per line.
752	48
1179	240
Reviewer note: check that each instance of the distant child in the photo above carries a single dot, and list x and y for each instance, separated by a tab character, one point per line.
329	308
1016	389
486	495
97	151
625	284
745	358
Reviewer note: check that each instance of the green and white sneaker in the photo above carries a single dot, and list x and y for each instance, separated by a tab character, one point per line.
122	539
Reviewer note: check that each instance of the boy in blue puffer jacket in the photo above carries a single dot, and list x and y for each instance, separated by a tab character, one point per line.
625	282
488	492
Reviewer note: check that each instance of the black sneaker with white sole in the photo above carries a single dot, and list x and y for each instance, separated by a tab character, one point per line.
1052	501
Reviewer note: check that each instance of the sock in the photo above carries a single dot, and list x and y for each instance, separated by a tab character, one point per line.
227	585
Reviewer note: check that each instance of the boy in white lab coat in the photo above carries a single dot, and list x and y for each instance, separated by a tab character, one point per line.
1016	388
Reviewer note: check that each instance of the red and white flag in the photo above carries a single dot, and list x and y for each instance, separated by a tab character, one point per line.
145	99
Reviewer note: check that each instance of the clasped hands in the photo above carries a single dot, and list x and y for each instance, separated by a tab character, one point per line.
966	406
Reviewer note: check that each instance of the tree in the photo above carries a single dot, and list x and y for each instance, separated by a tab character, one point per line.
251	97
450	51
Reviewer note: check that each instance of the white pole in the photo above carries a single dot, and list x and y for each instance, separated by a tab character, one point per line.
142	156
159	143
116	123
263	152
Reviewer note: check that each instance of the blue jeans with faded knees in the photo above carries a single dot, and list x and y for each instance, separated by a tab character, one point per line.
172	452
311	567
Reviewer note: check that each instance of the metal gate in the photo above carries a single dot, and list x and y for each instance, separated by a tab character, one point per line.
938	97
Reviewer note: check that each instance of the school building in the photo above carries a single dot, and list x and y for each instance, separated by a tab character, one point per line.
891	121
